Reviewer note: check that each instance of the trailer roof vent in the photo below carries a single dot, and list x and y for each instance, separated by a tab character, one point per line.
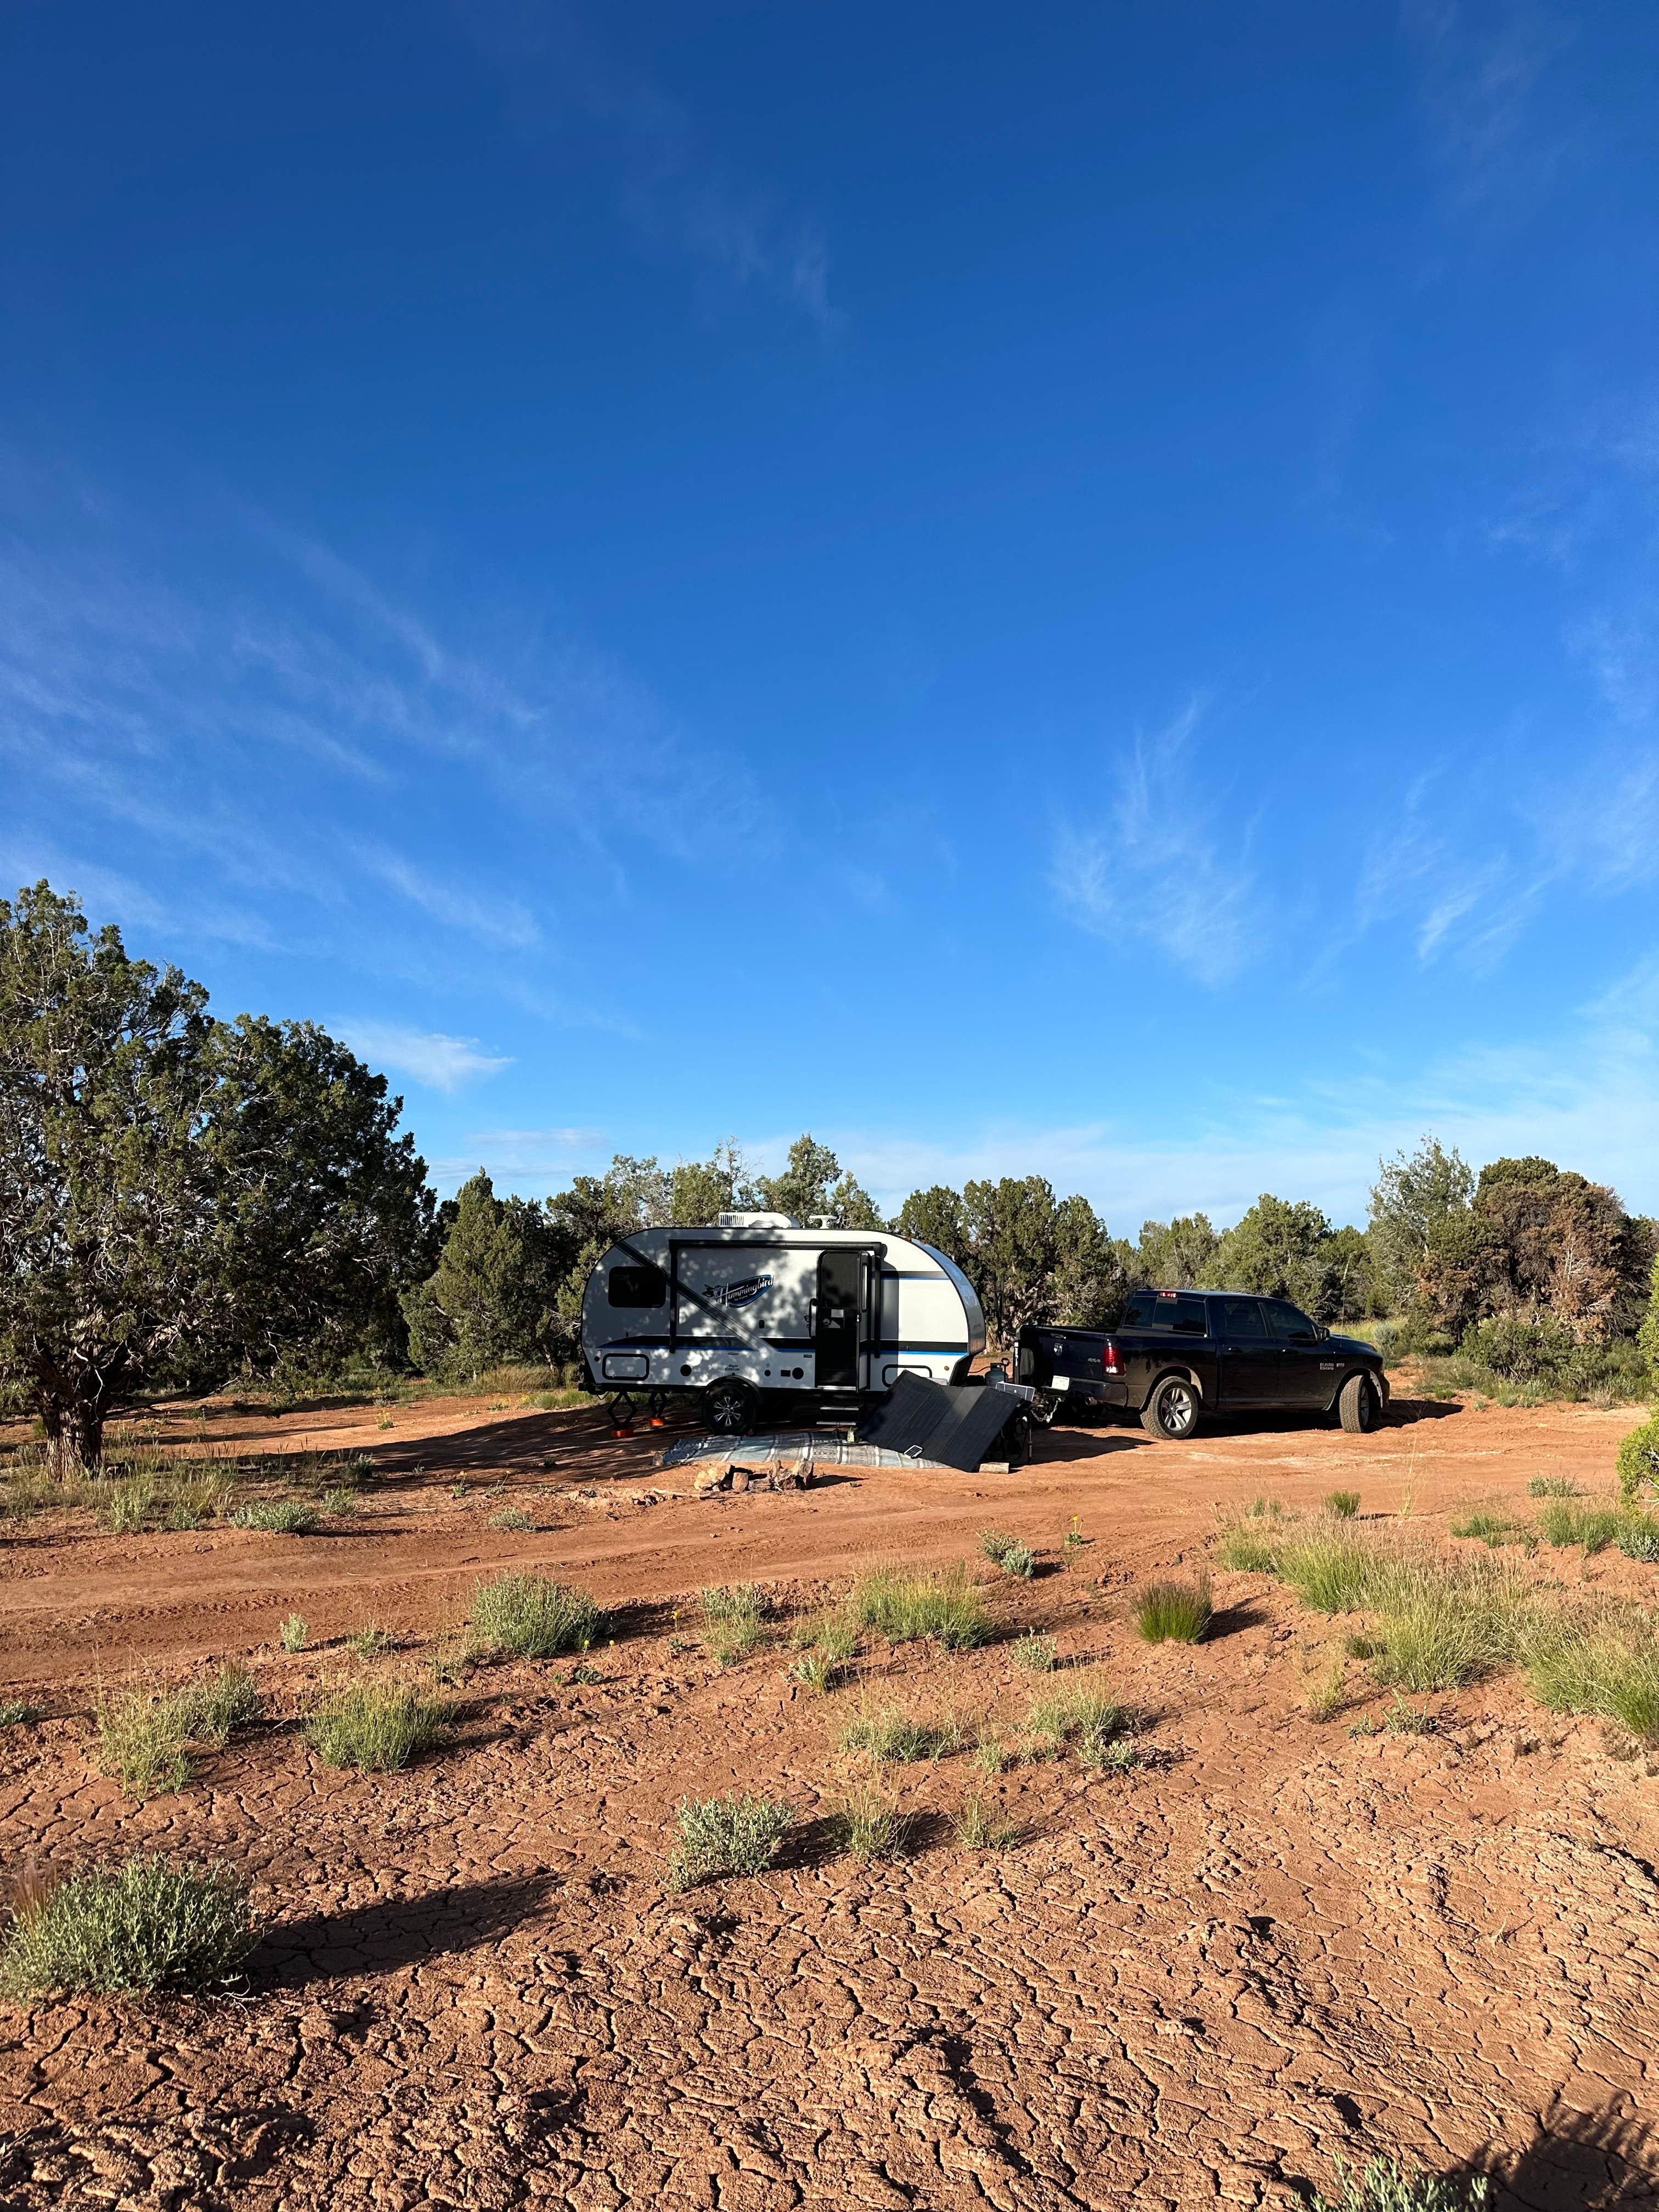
756	1221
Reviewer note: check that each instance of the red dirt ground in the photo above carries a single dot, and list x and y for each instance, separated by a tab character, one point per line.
1271	1946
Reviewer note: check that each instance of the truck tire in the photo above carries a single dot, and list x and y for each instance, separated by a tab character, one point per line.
730	1407
1170	1414
1359	1405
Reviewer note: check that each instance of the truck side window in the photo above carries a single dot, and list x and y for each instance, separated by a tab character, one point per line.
637	1286
1240	1317
1290	1324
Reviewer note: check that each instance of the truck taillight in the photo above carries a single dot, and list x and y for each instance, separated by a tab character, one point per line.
1110	1361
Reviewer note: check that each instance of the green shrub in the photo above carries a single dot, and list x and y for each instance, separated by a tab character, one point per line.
1386	2186
739	1604
276	1516
816	1671
295	1632
342	1501
376	1727
830	1634
944	1607
1638	1460
1342	1504
1638	1537
1174	1613
371	1641
724	1836
531	1619
1038	1655
146	1925
1008	1553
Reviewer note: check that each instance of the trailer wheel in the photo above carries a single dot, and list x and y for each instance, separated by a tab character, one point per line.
730	1408
1170	1414
1359	1405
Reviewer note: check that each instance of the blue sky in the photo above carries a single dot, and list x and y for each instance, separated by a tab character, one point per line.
1069	591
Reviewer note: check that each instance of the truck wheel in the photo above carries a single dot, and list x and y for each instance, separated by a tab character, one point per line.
1359	1405
1170	1414
730	1408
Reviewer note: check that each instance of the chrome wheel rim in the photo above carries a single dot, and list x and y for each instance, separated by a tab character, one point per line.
1177	1409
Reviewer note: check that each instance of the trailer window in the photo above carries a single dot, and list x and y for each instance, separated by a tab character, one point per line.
637	1286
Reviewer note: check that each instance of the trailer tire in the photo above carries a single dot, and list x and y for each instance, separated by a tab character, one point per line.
1360	1408
1170	1414
730	1407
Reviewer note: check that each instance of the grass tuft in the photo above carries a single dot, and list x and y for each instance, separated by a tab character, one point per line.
141	1741
1493	1529
1173	1612
724	1836
945	1607
1552	1485
1249	1548
276	1516
147	1925
295	1632
1070	1711
871	1824
529	1617
209	1711
979	1826
1342	1504
1593	1527
890	1736
816	1671
376	1727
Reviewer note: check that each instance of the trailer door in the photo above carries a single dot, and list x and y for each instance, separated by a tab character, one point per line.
836	1329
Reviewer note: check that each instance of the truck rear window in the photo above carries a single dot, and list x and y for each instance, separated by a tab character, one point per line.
1163	1309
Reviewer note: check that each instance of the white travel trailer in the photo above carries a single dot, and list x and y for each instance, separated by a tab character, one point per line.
756	1312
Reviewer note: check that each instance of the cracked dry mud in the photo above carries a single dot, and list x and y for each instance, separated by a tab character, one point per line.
1271	1945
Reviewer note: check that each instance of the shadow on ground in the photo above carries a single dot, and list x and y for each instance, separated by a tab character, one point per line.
391	1932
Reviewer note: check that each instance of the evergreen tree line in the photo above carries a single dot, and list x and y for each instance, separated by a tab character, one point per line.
184	1200
1532	1270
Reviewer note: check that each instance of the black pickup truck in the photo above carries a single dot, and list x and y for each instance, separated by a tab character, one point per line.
1177	1355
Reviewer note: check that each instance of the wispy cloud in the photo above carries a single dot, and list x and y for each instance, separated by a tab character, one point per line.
1481	66
1160	867
675	190
441	1063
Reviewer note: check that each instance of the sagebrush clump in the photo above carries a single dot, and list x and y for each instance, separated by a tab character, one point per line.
725	1835
147	1925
